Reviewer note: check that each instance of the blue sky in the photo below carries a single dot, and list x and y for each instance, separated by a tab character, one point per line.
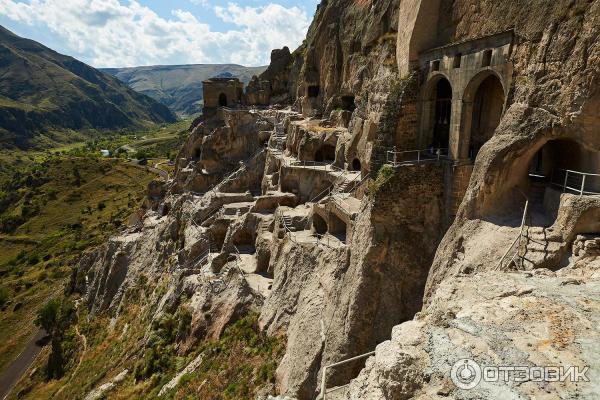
120	33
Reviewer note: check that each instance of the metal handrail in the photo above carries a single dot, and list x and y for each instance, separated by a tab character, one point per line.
420	156
234	174
309	164
238	259
518	239
567	185
325	368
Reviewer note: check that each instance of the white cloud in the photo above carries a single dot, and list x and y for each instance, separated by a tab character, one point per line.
110	33
203	3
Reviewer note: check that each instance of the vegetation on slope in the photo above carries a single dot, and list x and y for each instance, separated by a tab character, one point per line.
53	207
238	365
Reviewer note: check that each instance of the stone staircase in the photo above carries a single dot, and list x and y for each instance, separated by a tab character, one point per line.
279	137
342	187
287	223
540	249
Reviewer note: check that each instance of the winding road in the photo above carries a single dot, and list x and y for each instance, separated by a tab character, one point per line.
19	366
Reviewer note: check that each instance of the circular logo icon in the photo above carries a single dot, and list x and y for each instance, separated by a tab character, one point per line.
466	374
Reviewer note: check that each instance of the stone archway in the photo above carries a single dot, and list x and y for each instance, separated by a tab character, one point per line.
222	100
483	105
436	113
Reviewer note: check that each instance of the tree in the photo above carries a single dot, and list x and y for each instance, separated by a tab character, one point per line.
56	317
47	317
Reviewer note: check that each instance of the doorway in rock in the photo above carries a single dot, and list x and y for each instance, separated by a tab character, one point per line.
319	225
223	100
313	91
348	103
337	227
356	166
488	104
325	153
244	242
560	166
442	114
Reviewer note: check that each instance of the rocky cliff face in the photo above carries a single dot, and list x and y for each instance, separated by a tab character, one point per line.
300	214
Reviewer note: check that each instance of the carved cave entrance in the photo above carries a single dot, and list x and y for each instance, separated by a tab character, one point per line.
356	165
197	154
539	176
223	100
313	91
348	103
244	242
319	224
326	153
337	227
551	162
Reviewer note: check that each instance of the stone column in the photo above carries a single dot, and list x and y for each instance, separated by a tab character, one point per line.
465	135
455	131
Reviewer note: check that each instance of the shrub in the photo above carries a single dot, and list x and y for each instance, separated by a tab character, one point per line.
47	316
10	223
4	296
384	174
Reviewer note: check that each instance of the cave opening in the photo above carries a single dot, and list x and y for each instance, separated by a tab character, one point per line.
325	153
540	177
337	227
319	224
348	103
356	166
223	100
197	154
313	91
244	242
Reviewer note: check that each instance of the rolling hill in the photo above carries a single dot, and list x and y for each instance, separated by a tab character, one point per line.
179	86
43	92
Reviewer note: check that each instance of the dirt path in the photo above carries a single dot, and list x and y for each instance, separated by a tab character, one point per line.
18	367
84	341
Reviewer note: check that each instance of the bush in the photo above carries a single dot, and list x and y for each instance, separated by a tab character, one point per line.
47	317
384	174
4	296
33	259
101	205
10	223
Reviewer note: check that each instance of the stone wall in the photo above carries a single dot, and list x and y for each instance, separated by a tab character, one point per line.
398	123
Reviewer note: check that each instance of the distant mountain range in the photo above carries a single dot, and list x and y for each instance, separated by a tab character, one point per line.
179	86
42	91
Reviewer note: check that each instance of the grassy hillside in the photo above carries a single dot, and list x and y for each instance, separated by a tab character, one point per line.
179	86
63	205
46	93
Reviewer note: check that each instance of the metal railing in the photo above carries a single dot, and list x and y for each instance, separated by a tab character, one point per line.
311	164
513	253
396	158
580	183
325	368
